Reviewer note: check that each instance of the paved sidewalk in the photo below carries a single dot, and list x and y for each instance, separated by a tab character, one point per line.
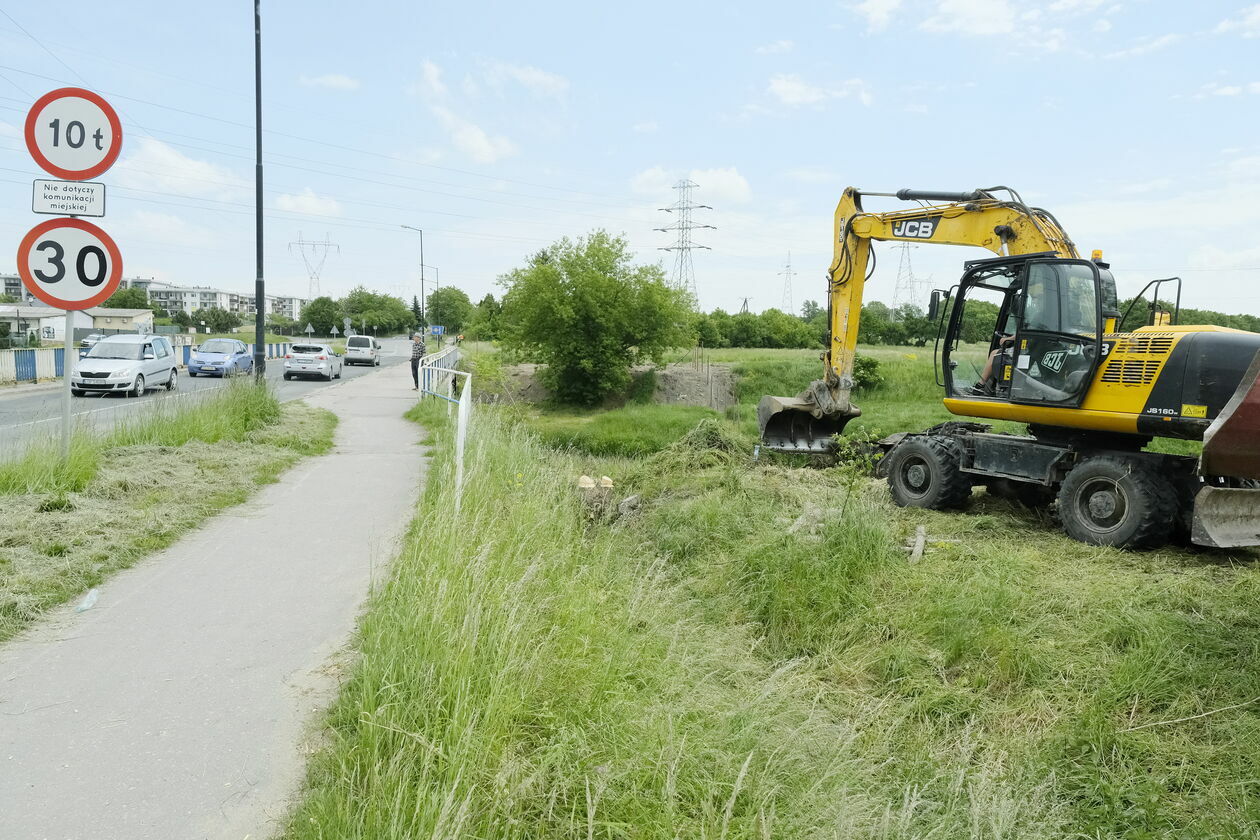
177	707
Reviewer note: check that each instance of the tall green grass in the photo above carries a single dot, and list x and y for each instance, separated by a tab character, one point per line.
629	432
230	413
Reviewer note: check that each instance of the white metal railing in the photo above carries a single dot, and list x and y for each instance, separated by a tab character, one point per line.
437	376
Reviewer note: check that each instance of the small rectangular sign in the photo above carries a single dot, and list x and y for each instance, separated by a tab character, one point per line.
68	198
437	329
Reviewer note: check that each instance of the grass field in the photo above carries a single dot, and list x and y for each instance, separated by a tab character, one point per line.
65	525
749	653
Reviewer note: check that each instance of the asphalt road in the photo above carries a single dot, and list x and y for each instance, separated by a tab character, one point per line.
32	414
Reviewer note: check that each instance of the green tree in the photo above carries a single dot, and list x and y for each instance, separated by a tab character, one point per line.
586	311
182	318
417	314
485	320
323	313
367	309
281	324
133	298
707	332
449	307
811	310
216	319
4	298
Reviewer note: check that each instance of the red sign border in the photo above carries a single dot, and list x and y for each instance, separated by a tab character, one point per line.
24	270
48	166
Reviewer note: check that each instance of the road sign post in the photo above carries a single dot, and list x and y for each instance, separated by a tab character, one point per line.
75	135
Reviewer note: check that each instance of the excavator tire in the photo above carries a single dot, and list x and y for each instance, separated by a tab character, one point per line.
925	471
1118	501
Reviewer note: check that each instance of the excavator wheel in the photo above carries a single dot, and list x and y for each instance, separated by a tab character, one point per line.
925	471
1117	501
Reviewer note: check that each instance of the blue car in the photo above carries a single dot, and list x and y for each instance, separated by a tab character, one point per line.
220	357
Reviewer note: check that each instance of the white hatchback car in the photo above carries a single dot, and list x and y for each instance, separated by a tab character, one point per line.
363	350
312	360
130	364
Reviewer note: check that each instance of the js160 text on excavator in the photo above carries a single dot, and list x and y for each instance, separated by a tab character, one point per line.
1093	397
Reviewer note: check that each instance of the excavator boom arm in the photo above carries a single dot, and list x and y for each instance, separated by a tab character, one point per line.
978	218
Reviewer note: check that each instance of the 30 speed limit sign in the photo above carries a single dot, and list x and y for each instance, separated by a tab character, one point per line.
69	263
73	133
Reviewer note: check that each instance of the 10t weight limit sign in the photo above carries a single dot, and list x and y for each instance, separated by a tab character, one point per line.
69	263
73	133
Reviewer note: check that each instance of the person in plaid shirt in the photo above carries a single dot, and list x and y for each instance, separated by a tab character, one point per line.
417	351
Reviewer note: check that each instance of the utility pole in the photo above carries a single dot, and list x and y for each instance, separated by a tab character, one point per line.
684	269
260	355
787	274
314	254
419	231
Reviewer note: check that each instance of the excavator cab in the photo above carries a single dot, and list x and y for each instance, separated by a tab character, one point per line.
1026	330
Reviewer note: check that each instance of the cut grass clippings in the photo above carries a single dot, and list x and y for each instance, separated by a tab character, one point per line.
64	527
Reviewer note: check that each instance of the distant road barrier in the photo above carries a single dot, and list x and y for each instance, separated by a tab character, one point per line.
34	364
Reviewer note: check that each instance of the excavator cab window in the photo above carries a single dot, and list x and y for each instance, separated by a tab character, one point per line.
1057	346
983	314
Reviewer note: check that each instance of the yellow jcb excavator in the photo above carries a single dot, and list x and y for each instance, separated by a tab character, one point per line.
1093	397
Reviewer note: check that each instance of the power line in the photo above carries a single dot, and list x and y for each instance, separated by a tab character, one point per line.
684	269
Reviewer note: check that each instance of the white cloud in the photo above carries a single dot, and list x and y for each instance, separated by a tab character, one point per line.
878	13
1215	89
167	228
1146	45
431	79
1245	23
471	139
971	17
725	185
536	81
1244	168
654	181
1102	25
332	81
775	47
1074	6
792	90
646	127
156	166
308	202
722	185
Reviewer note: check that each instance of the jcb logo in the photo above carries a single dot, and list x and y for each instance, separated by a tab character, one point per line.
1054	360
915	228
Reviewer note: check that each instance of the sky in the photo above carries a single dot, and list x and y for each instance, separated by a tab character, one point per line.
500	127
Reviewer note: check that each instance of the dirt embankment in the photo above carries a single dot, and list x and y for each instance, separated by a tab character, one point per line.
709	385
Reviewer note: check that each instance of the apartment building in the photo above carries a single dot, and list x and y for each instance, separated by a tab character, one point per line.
174	298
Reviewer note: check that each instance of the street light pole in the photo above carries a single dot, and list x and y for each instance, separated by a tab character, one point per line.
421	232
260	305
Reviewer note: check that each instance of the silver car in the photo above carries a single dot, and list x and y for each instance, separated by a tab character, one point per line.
312	360
129	364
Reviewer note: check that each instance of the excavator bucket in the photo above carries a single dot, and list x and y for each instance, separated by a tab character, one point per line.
1226	517
1229	517
801	424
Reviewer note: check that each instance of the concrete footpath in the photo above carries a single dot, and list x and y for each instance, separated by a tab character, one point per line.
180	705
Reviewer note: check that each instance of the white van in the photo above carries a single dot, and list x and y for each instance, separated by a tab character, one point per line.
362	350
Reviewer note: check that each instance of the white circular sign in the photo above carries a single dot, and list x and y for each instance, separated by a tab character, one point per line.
73	133
69	263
